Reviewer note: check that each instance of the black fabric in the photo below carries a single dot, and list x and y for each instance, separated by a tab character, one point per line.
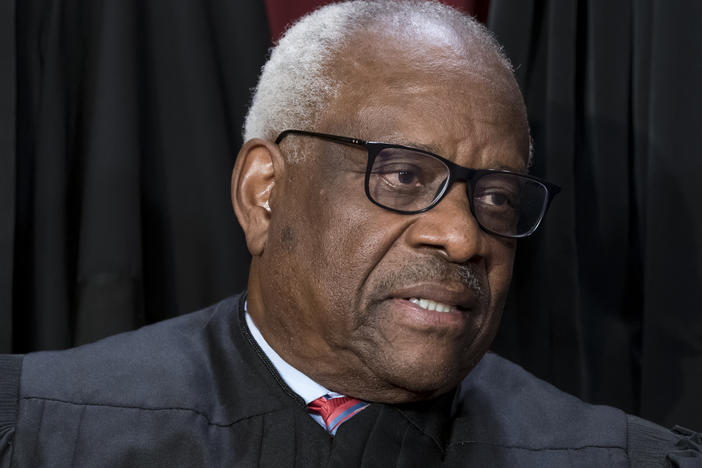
646	442
606	297
128	124
10	367
197	391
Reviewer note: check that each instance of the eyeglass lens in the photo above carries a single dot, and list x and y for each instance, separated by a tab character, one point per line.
411	181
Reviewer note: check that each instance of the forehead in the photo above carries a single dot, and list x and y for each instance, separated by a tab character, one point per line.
431	97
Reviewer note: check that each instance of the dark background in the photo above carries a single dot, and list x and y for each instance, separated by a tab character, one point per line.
120	121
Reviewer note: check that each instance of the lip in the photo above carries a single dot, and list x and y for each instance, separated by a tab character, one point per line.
457	296
463	302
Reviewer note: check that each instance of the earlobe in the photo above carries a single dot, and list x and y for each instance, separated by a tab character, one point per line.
253	180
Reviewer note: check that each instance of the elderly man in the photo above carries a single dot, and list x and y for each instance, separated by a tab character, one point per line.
382	190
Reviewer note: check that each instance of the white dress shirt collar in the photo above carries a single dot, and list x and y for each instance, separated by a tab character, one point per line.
308	389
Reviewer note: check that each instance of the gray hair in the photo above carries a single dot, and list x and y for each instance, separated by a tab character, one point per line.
296	83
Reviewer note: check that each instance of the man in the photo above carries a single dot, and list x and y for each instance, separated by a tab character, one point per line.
382	190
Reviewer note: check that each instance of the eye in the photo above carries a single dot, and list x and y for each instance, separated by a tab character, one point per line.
406	177
402	176
497	198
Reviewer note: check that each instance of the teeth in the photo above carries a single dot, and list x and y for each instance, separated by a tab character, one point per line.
431	305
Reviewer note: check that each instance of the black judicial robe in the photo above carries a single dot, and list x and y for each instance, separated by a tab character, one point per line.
196	391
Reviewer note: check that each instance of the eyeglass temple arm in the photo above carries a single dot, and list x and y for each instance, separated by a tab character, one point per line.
325	136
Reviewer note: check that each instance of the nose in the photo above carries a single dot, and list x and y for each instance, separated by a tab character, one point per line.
451	228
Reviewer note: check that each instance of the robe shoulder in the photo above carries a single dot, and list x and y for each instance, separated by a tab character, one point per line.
182	363
502	405
169	394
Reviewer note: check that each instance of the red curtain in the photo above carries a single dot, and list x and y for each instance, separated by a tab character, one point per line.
283	12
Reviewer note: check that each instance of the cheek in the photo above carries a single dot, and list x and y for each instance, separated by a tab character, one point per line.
499	269
348	247
332	237
335	224
311	237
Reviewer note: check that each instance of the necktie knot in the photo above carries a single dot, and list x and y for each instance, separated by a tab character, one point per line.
335	411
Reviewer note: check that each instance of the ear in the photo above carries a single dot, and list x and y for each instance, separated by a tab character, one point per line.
253	179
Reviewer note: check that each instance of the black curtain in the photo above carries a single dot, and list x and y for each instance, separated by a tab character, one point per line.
7	168
607	299
116	162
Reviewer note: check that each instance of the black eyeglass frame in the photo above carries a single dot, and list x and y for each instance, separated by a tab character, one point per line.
456	173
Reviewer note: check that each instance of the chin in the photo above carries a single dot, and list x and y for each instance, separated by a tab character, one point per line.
423	380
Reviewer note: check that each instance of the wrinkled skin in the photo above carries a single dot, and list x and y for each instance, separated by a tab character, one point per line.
330	280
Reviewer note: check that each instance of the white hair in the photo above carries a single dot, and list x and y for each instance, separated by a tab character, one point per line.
297	81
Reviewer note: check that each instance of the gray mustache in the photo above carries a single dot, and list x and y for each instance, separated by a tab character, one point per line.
438	271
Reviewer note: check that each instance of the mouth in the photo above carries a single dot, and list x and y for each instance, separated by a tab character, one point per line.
429	315
442	298
431	305
434	307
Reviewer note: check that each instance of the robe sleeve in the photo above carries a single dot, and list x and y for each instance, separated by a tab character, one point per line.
653	445
9	390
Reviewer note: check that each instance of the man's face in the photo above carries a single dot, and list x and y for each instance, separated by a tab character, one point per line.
347	287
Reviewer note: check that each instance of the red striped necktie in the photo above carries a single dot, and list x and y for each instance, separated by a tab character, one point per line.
335	411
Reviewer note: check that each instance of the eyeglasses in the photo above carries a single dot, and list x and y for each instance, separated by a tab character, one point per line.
409	181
